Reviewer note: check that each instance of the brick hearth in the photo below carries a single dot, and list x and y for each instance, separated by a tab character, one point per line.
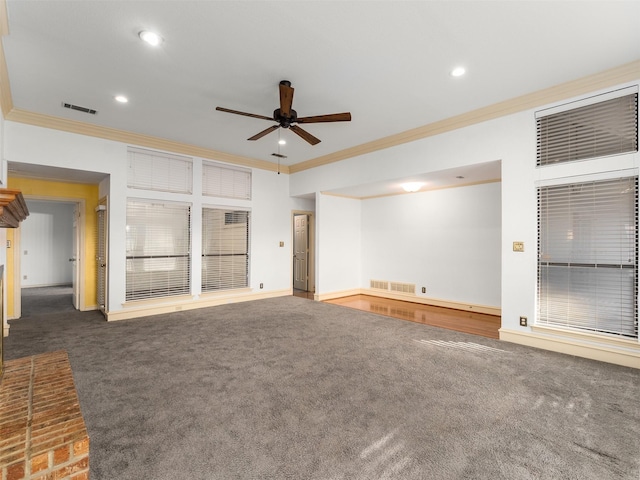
42	433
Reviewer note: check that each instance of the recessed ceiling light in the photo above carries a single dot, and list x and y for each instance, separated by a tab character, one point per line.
458	72
150	37
282	141
412	186
121	99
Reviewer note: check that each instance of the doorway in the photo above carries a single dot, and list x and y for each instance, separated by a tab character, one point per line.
303	264
48	257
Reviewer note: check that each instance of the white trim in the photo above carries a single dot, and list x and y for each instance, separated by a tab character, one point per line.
176	304
628	356
587	101
590	177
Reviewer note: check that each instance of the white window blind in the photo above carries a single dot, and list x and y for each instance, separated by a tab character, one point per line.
158	246
587	256
225	249
605	128
158	171
224	181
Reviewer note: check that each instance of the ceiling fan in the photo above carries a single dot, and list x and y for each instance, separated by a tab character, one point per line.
288	117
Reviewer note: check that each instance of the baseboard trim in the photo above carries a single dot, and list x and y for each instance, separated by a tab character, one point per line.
130	311
435	302
321	297
627	355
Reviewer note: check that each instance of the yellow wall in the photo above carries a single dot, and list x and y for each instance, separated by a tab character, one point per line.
44	189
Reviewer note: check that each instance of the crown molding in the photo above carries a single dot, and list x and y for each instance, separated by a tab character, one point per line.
4	19
81	128
6	102
623	73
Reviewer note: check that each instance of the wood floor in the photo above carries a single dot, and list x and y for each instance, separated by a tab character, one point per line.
459	320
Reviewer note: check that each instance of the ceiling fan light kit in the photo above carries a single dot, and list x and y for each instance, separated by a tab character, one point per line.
287	117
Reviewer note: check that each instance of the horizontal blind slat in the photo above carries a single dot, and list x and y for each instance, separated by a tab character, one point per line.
597	130
225	249
587	256
157	249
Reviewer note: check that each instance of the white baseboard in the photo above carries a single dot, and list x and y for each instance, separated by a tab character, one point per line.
623	352
337	294
156	307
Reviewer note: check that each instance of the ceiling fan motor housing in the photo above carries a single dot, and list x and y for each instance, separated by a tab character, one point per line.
285	122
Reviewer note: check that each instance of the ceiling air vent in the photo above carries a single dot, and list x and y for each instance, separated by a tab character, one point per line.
90	111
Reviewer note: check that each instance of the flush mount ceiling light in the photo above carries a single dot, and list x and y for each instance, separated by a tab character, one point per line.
458	72
412	186
121	99
151	38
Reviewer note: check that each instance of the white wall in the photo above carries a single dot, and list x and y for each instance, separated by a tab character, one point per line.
46	244
445	240
510	139
270	206
344	225
338	244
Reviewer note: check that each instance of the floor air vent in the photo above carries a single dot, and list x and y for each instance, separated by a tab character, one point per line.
379	284
403	287
90	111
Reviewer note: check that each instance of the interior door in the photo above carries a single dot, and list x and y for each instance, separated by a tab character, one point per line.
301	252
75	264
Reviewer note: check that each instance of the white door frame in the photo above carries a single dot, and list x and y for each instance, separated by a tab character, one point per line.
80	205
103	205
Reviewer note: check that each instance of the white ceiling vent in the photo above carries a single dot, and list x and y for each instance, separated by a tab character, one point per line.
90	111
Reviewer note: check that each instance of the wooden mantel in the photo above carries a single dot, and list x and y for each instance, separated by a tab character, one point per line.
13	208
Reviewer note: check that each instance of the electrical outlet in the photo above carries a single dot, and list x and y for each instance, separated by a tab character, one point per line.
24	277
523	321
261	285
424	289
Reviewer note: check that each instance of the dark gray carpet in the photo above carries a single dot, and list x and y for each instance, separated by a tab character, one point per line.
46	300
294	389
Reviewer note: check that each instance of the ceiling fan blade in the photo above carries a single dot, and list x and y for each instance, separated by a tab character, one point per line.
220	109
286	98
304	135
334	117
264	132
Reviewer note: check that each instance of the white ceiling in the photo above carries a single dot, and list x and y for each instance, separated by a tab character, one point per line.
386	62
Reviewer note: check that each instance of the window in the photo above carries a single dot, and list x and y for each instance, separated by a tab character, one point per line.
587	256
225	249
224	181
158	171
608	127
158	245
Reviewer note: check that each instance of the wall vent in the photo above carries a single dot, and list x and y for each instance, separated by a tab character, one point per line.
403	287
90	111
379	284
